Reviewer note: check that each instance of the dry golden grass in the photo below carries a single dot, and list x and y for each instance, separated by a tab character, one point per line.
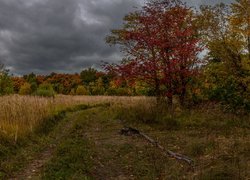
130	101
19	115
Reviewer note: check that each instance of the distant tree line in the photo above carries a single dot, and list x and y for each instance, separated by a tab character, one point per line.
88	82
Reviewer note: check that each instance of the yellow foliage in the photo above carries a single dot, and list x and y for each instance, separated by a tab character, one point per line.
25	89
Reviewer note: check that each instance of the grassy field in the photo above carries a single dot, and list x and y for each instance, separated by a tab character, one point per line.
85	142
21	115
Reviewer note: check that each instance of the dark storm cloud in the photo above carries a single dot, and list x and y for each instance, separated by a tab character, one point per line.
59	35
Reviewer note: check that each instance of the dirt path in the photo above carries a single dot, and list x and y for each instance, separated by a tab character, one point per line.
35	166
87	145
122	157
106	155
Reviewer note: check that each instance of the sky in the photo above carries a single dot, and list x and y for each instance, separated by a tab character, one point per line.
62	36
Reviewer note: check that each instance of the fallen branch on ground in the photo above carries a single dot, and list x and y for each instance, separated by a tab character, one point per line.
128	131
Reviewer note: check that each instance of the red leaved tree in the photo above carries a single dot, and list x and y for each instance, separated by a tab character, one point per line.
161	46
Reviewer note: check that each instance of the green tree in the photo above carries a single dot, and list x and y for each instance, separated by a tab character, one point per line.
227	71
6	85
31	79
98	88
88	75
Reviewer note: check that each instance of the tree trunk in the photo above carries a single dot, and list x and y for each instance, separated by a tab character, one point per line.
170	100
157	92
183	91
182	96
248	45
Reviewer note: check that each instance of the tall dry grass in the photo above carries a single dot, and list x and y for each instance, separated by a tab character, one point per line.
20	115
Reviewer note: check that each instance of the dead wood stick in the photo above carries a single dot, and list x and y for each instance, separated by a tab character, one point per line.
128	131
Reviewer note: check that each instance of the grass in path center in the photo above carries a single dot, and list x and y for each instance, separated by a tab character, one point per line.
94	149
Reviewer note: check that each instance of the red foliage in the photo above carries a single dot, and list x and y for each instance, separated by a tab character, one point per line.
63	83
162	46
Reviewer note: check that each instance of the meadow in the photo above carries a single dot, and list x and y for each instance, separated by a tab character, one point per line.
217	141
20	115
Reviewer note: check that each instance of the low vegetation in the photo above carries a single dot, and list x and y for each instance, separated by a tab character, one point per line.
217	141
219	147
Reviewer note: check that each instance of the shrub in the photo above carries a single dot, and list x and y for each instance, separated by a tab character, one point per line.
25	89
81	90
45	90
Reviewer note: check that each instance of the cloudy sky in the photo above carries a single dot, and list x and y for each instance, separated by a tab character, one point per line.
44	36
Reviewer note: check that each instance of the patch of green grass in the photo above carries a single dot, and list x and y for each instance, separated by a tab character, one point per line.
48	124
71	161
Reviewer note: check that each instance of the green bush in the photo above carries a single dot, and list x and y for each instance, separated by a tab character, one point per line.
45	93
81	90
6	84
230	93
45	90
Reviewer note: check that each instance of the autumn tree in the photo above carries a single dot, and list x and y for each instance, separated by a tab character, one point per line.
240	22
227	69
17	83
25	89
63	83
161	46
